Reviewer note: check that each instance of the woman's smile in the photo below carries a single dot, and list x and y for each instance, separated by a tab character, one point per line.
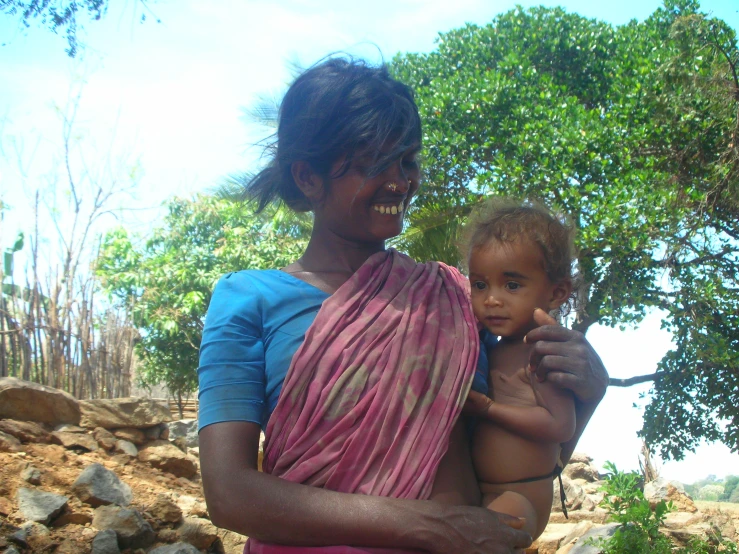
389	209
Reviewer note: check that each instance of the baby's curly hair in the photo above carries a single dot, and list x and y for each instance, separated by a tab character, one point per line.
507	219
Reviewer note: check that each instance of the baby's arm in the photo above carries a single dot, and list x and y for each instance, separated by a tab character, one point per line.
553	420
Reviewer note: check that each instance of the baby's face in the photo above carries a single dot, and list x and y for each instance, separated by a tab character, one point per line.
508	283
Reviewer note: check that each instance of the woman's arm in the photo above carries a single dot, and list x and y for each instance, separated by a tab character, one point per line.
271	509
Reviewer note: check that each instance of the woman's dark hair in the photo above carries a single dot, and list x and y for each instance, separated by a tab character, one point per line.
340	107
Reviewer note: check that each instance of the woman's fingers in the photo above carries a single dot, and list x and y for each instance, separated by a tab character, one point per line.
567	359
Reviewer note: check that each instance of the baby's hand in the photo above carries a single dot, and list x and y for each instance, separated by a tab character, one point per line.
477	404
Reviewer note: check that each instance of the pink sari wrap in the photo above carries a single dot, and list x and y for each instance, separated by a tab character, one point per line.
372	394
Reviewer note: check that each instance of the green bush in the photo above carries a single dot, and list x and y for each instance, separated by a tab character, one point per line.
640	523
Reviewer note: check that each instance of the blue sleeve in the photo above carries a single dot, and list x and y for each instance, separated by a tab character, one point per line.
231	373
480	381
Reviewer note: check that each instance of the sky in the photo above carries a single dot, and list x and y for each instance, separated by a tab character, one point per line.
163	105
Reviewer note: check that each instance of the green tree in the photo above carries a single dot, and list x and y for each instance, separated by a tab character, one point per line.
731	484
167	281
632	130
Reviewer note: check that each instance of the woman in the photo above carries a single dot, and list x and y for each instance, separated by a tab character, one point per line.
374	354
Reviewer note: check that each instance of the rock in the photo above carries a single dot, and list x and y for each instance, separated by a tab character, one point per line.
32	535
125	447
199	532
26	401
578	531
67	428
75	440
11	550
156	432
8	443
233	543
662	489
552	537
98	486
167	457
187	428
50	452
6	506
133	530
135	436
31	475
574	492
191	506
580	458
165	510
104	438
578	546
579	470
25	431
39	506
177	548
76	518
105	542
123	412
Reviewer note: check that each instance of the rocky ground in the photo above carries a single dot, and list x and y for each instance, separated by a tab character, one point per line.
119	476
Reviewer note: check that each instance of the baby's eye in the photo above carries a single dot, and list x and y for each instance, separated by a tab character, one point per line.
479	285
512	285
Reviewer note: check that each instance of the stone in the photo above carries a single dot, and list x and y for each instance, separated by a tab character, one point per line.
6	506
191	506
167	457
662	489
176	548
186	428
75	518
580	458
98	486
233	543
81	441
104	438
199	532
67	428
26	401
155	432
52	453
574	492
552	537
25	431
105	542
11	550
166	510
125	447
31	475
32	535
596	532
123	412
132	529
39	506
8	443
579	470
135	436
578	531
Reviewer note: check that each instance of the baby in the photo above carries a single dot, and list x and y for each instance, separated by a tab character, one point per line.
520	259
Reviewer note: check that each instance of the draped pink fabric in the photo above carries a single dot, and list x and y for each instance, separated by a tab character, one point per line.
372	394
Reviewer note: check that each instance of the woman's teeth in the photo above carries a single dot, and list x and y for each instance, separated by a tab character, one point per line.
390	210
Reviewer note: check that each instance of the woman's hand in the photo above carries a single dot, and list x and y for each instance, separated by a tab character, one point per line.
565	358
480	531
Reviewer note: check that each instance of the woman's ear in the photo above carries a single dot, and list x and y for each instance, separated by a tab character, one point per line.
560	293
308	181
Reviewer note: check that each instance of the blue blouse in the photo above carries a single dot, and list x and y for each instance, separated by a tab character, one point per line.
256	321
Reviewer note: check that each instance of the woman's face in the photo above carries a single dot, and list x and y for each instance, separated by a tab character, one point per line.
365	209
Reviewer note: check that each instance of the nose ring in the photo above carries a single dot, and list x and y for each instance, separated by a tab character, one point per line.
392	187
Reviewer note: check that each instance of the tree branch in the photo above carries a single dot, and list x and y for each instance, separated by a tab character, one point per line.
613	382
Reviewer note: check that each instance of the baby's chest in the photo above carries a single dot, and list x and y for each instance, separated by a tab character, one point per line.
512	387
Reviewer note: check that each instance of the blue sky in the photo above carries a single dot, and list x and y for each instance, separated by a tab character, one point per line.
163	102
